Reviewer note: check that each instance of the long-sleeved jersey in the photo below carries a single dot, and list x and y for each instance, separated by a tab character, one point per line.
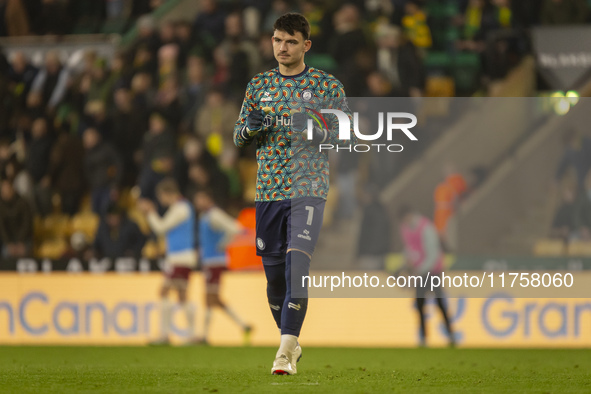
289	166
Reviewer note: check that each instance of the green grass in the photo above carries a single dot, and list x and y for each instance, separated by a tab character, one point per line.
322	370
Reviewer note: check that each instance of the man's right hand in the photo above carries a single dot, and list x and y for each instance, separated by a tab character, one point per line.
254	121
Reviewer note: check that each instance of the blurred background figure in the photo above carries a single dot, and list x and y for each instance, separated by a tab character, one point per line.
103	169
157	153
118	236
423	255
177	226
16	223
216	231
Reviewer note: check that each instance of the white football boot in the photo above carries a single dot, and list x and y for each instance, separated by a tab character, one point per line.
282	366
295	357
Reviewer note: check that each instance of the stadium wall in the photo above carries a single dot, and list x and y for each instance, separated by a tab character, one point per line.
122	309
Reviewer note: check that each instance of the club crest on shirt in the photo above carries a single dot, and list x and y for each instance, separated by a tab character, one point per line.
307	95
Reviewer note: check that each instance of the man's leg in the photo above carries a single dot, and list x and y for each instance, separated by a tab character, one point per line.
165	313
443	307
295	303
186	307
421	311
276	286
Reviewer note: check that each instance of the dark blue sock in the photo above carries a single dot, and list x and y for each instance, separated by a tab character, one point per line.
276	288
297	264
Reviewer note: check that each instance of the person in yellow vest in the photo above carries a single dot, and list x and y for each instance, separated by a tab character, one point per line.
415	25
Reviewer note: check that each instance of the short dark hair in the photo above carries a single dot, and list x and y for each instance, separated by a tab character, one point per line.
168	185
293	22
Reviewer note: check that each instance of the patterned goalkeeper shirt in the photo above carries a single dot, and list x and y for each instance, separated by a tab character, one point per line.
289	166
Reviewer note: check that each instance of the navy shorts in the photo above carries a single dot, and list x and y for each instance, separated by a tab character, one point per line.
288	224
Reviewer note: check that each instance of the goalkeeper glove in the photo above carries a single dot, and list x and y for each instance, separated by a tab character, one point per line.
254	123
299	124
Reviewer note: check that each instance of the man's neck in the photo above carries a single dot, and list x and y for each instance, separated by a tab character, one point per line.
292	70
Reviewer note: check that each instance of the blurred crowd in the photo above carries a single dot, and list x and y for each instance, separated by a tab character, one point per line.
572	219
85	132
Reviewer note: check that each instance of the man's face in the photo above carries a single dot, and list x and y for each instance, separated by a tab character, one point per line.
289	50
113	220
6	191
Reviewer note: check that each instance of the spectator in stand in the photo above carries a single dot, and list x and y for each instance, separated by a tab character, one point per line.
415	25
66	171
278	8
213	125
168	104
157	153
166	34
577	154
129	126
95	116
167	62
102	82
320	23
183	38
142	92
103	170
210	21
16	223
200	178
193	152
398	58
118	236
193	90
118	9
51	82
243	53
147	36
565	220
348	39
265	49
37	164
21	76
564	12
14	20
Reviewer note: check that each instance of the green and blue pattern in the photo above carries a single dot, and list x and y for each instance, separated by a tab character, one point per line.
288	165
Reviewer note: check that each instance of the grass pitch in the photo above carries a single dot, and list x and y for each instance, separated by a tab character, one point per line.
321	370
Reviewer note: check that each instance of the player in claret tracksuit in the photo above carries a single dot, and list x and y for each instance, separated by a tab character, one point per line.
424	257
216	230
292	178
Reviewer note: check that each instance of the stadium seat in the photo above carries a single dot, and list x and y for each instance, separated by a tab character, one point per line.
52	249
85	222
321	61
56	226
579	248
466	71
438	62
549	247
440	86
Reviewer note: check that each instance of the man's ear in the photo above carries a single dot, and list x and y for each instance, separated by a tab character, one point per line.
307	45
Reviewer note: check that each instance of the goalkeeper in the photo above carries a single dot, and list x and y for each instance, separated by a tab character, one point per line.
292	177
